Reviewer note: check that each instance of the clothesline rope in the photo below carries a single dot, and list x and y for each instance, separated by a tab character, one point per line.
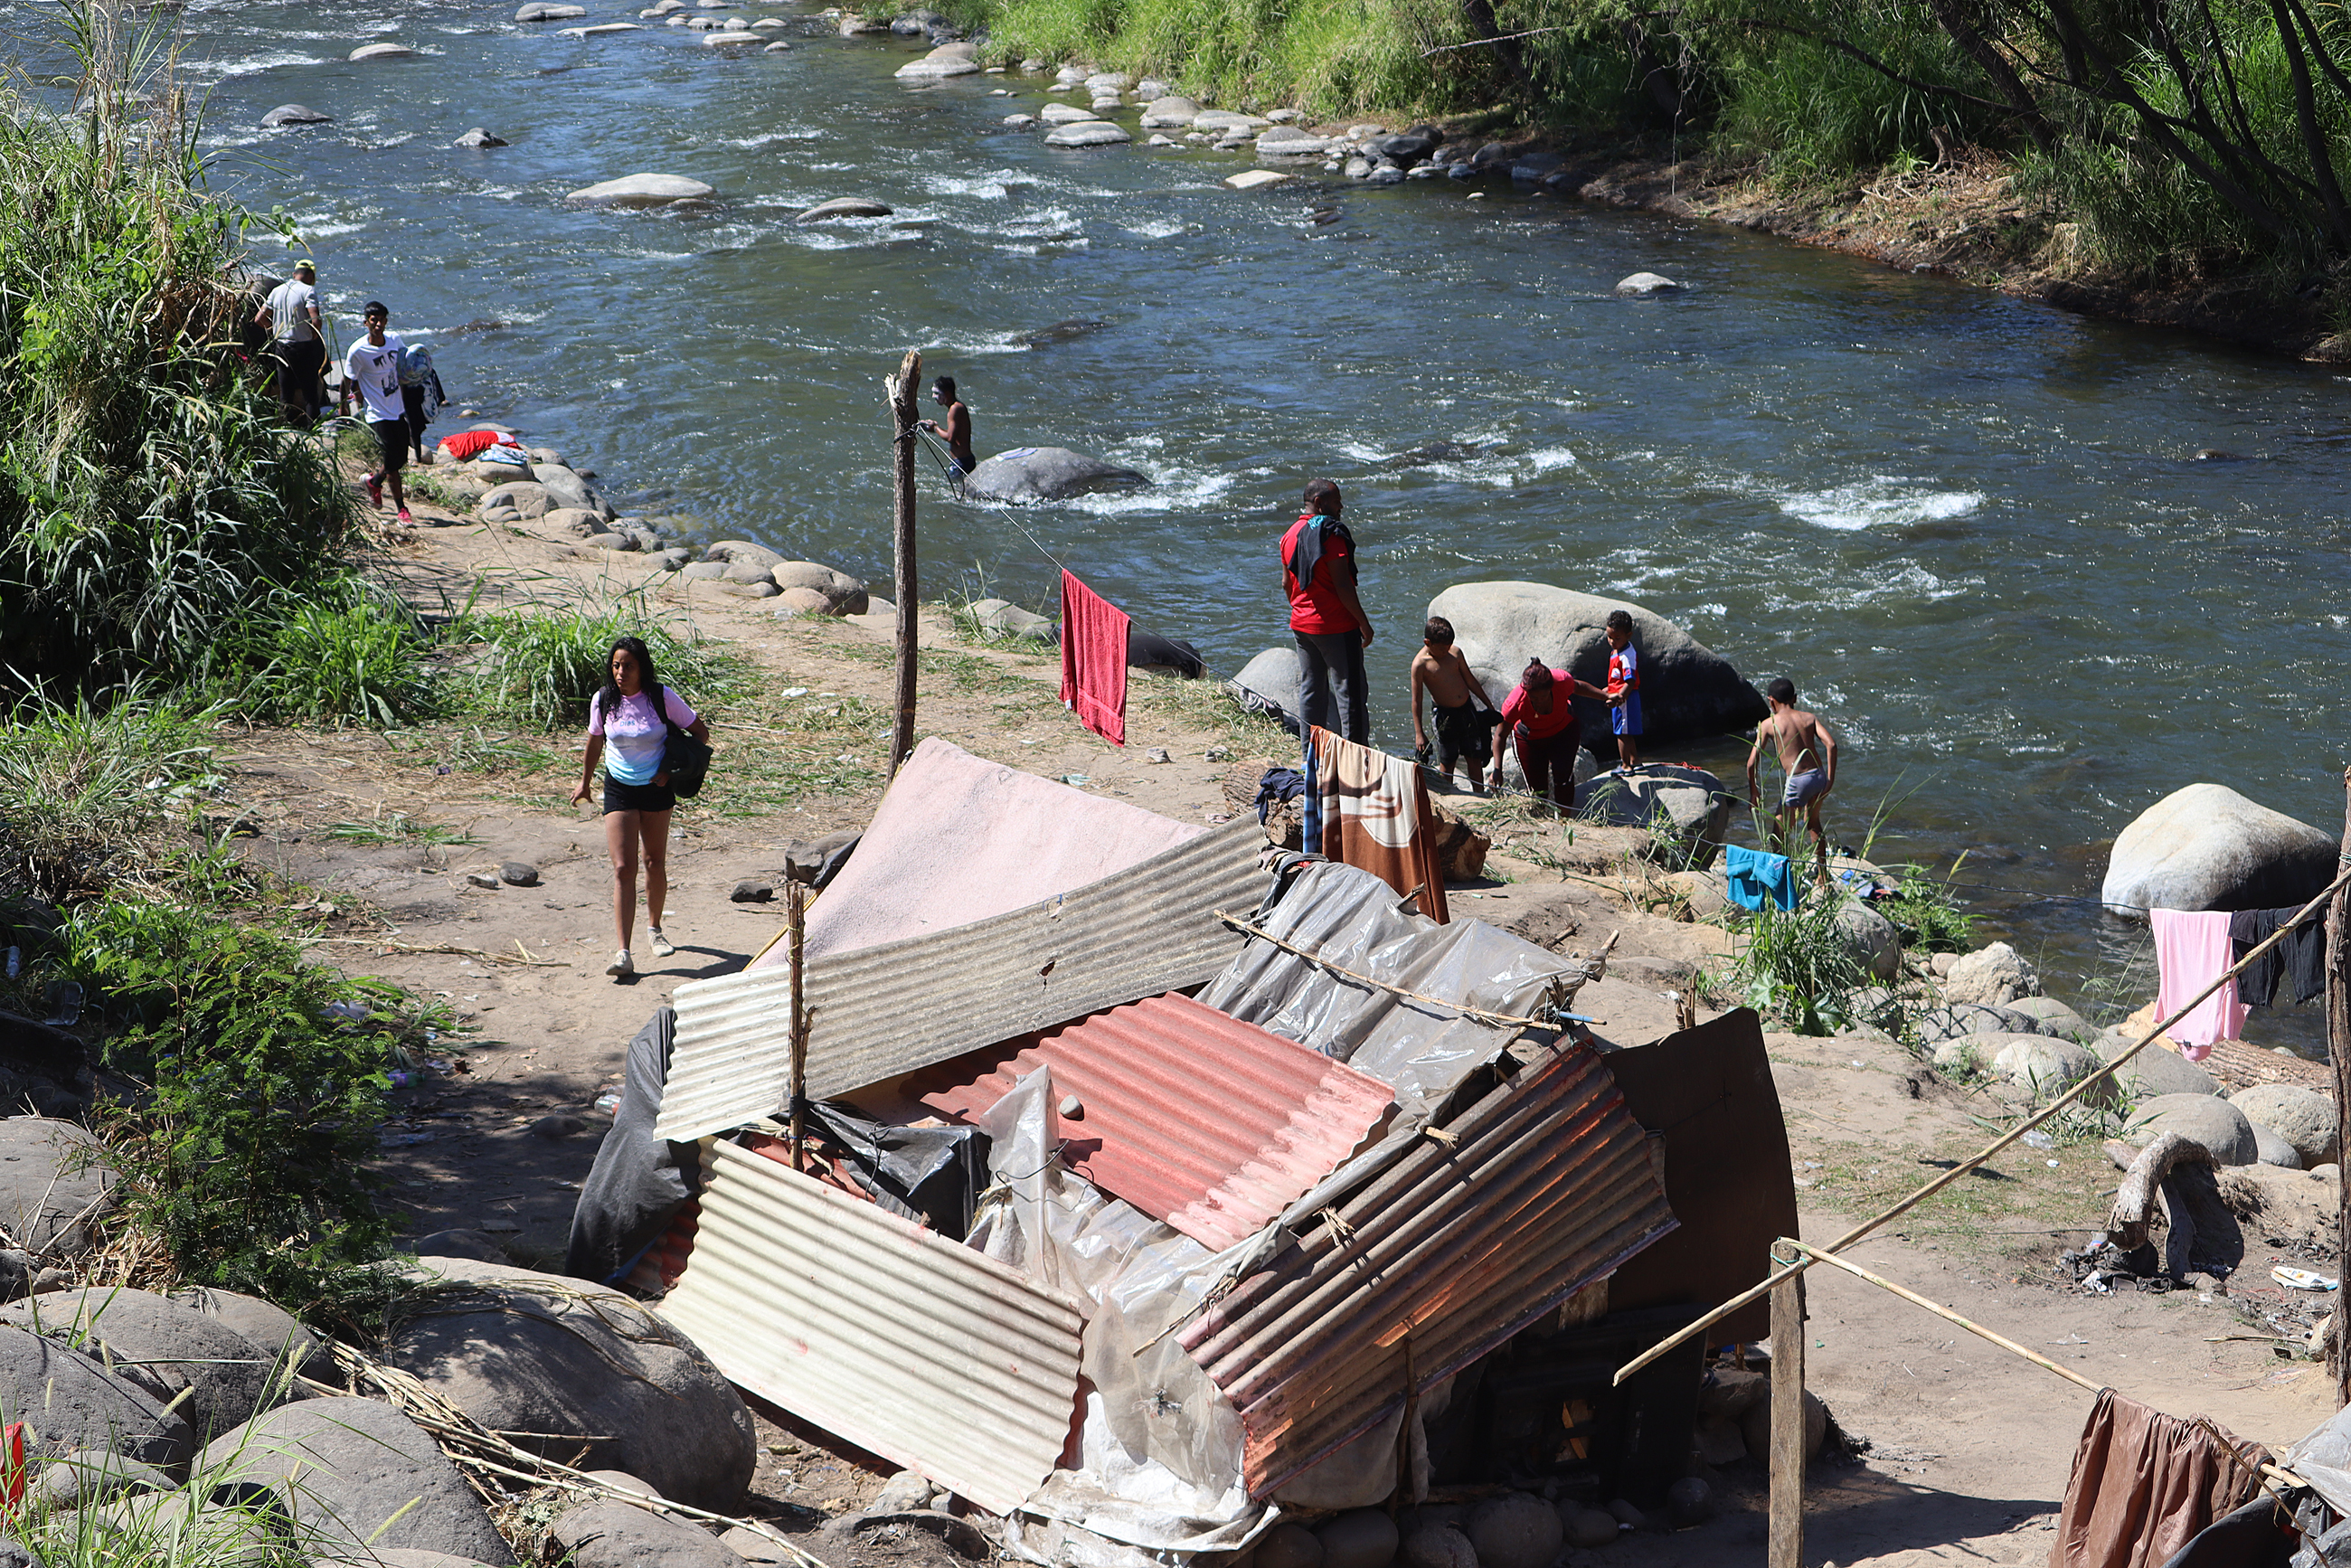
2103	1075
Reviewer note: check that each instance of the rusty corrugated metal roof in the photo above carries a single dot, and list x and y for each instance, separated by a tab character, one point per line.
878	1012
1538	1188
905	1343
1210	1124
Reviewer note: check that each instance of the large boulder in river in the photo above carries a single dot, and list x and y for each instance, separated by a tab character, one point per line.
843	207
947	60
1688	801
582	1369
642	190
2208	847
293	114
355	1474
1269	685
1029	473
1688	692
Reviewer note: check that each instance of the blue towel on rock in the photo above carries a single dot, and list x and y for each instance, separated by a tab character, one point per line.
1755	877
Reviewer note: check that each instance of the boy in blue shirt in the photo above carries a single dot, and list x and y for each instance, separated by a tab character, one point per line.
1624	690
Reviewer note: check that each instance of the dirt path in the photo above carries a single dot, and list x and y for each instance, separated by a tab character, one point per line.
1968	1449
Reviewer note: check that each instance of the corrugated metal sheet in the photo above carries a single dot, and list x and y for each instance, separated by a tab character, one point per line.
1548	1183
878	1012
895	1337
1210	1124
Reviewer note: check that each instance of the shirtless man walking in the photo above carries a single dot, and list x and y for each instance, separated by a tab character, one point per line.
1808	752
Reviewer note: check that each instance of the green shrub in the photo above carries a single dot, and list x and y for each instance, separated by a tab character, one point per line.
540	668
352	655
245	1162
1928	911
98	790
1796	967
149	491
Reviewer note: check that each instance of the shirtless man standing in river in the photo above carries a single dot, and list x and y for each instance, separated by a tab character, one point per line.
956	431
1808	751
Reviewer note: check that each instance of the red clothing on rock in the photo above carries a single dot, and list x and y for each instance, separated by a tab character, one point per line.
1317	609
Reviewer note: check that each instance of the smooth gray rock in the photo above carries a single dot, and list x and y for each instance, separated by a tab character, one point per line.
73	1404
2153	1072
1229	119
1691	799
642	190
1170	113
1066	114
741	552
843	207
566	490
543	11
1535	165
381	52
1515	1529
1966	1018
1641	285
358	1472
2199	1118
1976	1052
1991	977
2055	1017
1269	685
1438	1546
518	873
163	1346
524	497
2269	1149
1289	141
265	1324
843	594
88	1477
947	60
1031	474
2302	1117
1005	619
471	1244
702	571
1868	935
1688	691
2047	1067
524	1351
1359	1538
479	138
51	1182
1086	133
293	114
2208	847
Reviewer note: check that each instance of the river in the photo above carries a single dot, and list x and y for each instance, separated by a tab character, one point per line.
1972	530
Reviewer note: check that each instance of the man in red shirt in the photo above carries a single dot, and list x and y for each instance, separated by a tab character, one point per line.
1539	717
1317	572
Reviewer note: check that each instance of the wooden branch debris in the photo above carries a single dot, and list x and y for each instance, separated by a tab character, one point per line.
2134	1210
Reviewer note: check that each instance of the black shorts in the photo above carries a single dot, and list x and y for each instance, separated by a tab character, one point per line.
391	435
297	373
1463	732
619	797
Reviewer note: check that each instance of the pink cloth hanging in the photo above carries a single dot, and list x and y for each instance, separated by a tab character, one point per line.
2192	951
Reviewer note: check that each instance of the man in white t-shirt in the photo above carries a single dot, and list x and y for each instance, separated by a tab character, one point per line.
372	368
290	315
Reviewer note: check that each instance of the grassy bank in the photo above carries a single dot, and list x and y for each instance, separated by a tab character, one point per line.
2159	147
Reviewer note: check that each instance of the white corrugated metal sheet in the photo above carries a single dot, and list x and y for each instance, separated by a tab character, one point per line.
880	1011
901	1341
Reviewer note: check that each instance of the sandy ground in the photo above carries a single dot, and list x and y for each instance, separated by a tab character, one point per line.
1967	1448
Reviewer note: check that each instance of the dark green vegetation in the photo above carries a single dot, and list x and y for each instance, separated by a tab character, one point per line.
2185	135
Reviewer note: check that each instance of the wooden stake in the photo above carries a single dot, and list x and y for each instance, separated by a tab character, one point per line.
796	906
1785	1540
903	389
2338	1048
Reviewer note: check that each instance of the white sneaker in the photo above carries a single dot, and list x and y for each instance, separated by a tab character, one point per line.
662	947
621	964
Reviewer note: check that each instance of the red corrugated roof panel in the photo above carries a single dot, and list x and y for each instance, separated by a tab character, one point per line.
1210	1124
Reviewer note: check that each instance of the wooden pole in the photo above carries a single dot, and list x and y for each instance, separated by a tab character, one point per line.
1916	1299
2338	1049
903	389
795	907
1785	1540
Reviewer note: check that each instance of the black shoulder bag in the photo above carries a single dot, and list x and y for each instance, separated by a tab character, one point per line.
685	760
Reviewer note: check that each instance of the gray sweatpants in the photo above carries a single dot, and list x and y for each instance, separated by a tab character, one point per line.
1332	688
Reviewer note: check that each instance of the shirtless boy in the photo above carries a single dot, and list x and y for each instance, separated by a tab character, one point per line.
1440	670
1808	752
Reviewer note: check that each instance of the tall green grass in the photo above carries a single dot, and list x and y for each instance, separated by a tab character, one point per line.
148	491
99	790
539	668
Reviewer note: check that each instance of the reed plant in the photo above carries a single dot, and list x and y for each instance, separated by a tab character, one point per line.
539	668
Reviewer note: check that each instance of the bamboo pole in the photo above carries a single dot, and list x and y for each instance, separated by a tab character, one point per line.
1785	1541
796	909
904	387
1896	1210
2338	1049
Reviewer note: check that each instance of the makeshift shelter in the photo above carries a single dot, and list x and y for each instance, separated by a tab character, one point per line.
1232	1245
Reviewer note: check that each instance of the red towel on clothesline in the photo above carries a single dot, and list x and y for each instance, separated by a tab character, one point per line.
1093	660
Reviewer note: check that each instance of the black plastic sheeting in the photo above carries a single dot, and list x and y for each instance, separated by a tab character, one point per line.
639	1182
932	1175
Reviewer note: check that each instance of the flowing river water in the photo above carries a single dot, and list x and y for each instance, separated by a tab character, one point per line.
1972	530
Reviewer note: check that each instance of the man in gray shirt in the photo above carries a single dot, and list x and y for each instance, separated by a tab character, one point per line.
290	315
